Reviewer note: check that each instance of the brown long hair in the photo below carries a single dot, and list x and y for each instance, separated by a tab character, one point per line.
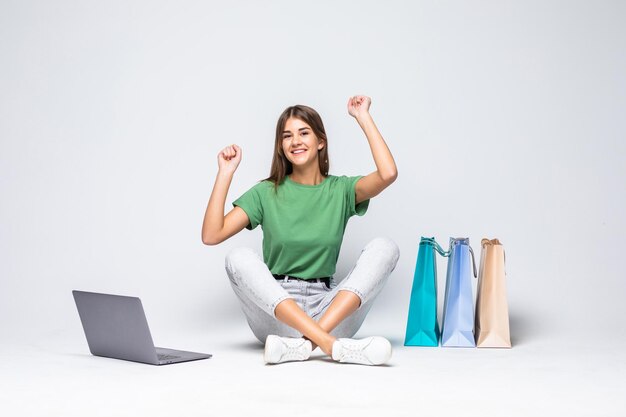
281	167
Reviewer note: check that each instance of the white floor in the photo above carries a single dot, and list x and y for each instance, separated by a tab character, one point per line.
544	374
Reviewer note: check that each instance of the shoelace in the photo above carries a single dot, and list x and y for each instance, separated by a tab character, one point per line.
294	352
354	351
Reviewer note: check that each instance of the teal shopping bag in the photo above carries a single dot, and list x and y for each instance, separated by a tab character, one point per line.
422	328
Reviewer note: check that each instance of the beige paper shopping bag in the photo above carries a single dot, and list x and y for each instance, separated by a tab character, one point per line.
492	309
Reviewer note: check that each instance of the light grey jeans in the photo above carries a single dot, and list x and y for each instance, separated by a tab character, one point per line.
259	292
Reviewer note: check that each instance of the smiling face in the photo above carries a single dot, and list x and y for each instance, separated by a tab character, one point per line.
299	128
300	144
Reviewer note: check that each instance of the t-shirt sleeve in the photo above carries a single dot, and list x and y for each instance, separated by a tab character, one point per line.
250	202
358	209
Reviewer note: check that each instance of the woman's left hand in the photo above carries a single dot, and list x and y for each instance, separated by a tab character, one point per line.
359	106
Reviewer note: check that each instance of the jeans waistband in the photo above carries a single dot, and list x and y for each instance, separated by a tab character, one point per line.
325	280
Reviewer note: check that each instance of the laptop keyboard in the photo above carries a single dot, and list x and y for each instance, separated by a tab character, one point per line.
167	357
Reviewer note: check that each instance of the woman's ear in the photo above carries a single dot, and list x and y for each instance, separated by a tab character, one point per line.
320	145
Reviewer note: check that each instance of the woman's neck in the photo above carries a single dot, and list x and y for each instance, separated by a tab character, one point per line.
311	176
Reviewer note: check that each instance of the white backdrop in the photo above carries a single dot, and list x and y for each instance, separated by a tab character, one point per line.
505	119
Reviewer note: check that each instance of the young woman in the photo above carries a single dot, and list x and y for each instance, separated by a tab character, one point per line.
290	297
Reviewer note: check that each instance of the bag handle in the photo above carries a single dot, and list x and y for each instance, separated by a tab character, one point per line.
436	246
473	260
447	253
494	242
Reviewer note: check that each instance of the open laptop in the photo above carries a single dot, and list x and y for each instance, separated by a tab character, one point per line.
116	327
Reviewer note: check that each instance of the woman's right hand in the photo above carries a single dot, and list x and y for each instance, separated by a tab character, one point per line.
228	159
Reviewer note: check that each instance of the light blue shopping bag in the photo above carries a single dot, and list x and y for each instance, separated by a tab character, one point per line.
458	306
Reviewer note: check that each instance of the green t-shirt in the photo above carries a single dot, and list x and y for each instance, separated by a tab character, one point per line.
303	225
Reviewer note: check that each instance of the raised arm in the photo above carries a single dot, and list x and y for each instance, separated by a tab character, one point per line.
216	227
386	172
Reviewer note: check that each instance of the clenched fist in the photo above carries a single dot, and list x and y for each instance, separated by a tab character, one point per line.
228	159
359	106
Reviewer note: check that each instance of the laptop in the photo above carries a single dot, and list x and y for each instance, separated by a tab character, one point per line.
116	327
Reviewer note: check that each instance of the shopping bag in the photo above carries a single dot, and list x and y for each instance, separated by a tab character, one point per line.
458	307
422	328
492	309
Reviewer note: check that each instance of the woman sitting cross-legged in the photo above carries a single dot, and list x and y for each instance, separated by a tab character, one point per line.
289	297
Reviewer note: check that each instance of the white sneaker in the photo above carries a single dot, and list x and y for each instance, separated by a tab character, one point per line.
286	349
374	350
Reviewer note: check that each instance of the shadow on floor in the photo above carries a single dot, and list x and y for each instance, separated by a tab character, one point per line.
251	345
522	329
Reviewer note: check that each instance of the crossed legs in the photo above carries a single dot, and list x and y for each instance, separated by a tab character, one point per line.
271	310
344	304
